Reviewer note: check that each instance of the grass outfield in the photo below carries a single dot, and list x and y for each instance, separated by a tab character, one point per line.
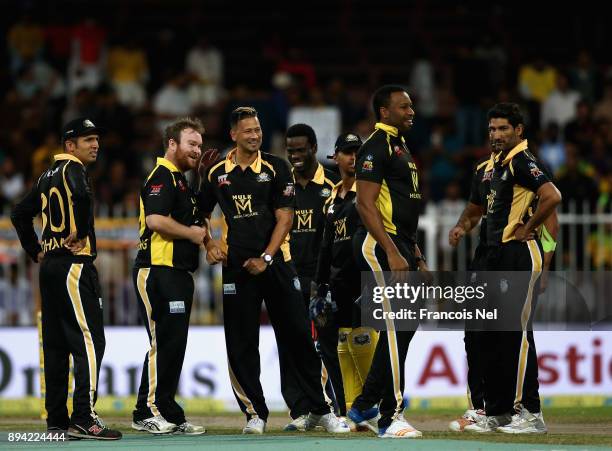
567	426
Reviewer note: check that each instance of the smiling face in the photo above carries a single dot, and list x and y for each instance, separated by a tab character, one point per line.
186	153
399	113
247	134
85	148
301	153
503	136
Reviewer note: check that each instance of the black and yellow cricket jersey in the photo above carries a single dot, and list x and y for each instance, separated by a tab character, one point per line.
517	176
384	159
64	199
248	199
336	262
481	185
308	220
167	193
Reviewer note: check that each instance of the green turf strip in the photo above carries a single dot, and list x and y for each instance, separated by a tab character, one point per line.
283	443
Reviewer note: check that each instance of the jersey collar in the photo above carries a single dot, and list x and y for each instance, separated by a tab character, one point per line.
389	129
520	147
167	164
338	185
67	156
230	162
319	175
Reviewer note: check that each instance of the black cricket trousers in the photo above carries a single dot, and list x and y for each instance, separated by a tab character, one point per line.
385	381
165	298
510	358
279	287
72	323
473	340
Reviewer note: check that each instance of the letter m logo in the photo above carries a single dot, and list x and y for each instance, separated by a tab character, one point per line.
243	205
304	219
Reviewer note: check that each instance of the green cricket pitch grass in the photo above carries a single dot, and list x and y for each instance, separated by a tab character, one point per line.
569	428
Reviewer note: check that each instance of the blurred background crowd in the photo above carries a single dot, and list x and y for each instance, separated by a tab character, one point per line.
132	66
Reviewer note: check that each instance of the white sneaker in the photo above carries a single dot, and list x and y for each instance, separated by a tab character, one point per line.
254	426
330	422
365	419
471	416
187	428
155	425
351	424
400	428
489	424
525	422
297	424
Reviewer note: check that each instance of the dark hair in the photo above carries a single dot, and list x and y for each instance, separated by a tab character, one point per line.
240	113
173	131
382	97
302	130
510	111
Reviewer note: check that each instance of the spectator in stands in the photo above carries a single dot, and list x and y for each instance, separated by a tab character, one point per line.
299	67
560	106
536	81
58	37
552	149
128	72
172	100
601	156
581	130
467	68
577	183
12	182
87	56
25	41
43	155
37	80
16	299
599	245
82	104
204	63
603	108
584	77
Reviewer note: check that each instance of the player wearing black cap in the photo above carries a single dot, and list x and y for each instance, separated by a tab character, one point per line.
72	321
337	272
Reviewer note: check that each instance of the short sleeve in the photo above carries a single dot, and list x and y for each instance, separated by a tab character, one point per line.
206	197
371	162
528	173
475	189
284	186
158	193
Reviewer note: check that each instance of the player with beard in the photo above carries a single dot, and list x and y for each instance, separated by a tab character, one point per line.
171	233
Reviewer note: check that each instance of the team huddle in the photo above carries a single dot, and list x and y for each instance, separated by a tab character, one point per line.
298	237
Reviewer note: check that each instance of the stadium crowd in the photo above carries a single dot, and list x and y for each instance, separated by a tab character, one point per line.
134	80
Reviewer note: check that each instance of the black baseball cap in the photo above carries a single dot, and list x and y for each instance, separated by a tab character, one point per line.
80	127
346	141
